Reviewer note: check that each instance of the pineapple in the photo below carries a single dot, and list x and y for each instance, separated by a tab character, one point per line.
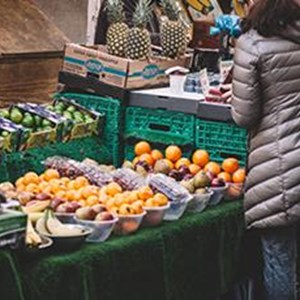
139	42
117	32
173	32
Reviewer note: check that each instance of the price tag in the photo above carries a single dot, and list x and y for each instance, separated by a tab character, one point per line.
225	68
204	81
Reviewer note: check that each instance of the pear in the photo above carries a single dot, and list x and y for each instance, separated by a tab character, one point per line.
201	180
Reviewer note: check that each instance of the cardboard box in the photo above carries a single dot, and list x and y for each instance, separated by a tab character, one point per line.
95	62
84	129
12	227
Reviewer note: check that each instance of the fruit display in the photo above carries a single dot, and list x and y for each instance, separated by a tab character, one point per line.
128	179
118	30
173	32
99	175
139	42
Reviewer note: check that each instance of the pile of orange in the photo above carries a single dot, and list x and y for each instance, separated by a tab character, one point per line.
229	170
130	202
52	184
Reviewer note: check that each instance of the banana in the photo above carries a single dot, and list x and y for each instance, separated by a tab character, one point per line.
35	216
41	224
199	5
32	238
36	206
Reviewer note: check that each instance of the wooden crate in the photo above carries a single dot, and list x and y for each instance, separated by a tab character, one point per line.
31	51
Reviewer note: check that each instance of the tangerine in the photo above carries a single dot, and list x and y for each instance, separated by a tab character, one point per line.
160	199
89	190
113	189
173	153
32	188
92	200
65	180
156	154
80	182
213	167
170	164
42	177
20	181
137	206
71	185
51	174
230	165
225	176
61	195
43	185
145	193
239	176
147	158
200	158
135	160
142	148
31	177
21	188
182	162
194	169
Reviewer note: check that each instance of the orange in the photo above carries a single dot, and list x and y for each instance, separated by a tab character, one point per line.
51	174
182	162
71	185
230	165
42	177
21	188
31	177
89	190
110	203
73	195
32	188
200	158
173	153
145	193
147	158
65	180
137	206
135	160
113	189
170	164
92	200
43	185
80	182
225	176
20	181
239	176
156	154
134	196
61	195
213	167
194	169
160	199
142	148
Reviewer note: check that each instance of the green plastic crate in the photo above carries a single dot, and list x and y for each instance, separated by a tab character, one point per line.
16	164
114	119
160	128
221	140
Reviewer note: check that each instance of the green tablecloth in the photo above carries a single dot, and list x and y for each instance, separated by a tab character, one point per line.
196	257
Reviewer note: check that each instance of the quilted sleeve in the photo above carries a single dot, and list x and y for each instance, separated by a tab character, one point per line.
246	100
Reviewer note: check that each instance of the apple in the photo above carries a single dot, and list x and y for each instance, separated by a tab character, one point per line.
210	175
85	213
56	202
43	197
98	208
218	182
104	216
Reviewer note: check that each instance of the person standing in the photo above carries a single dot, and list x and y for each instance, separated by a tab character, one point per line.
266	101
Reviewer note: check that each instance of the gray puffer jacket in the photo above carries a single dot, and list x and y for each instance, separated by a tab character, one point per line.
266	101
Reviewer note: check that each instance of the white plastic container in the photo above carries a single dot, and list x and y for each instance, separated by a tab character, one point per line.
199	202
176	209
128	224
155	215
218	195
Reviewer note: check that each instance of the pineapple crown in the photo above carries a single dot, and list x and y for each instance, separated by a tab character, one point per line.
115	11
142	13
171	9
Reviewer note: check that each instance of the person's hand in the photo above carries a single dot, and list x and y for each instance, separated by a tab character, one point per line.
226	92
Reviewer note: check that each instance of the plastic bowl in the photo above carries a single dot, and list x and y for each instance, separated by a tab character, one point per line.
128	224
199	202
66	218
234	191
101	230
155	215
218	195
176	209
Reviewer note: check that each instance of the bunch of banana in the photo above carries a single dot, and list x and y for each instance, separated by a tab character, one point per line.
32	238
50	225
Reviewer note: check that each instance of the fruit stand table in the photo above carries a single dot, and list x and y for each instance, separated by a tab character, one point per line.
196	257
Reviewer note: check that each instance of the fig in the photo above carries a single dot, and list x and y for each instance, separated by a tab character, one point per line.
104	216
201	180
86	213
161	166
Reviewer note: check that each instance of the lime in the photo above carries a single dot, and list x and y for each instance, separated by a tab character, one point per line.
16	116
38	120
4	113
46	123
4	133
28	121
71	109
68	115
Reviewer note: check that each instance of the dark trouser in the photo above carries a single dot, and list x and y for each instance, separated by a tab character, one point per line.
279	247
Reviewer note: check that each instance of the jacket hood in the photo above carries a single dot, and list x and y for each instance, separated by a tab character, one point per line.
292	33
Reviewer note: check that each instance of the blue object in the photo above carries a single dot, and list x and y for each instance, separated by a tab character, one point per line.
227	24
